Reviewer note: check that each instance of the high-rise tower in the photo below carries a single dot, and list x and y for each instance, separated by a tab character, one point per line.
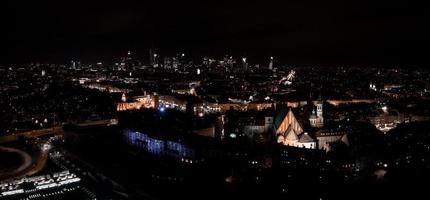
153	58
245	63
271	63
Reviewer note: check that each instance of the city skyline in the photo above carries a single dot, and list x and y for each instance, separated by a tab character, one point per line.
214	100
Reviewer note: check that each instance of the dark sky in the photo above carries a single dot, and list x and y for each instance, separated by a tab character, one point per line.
299	31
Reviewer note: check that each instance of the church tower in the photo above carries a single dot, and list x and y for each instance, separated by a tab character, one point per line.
319	106
317	119
313	119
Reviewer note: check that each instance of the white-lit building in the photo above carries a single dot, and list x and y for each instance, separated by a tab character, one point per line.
316	119
326	138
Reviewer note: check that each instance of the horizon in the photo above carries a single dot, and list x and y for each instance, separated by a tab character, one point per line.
386	33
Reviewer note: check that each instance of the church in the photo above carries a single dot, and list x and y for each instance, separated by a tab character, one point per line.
290	132
306	131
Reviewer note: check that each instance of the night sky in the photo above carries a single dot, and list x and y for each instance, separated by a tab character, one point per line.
297	32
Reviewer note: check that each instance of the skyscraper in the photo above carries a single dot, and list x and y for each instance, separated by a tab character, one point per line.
271	63
153	58
245	63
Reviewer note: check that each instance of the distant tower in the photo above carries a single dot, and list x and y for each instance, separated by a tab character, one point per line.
182	59
151	57
73	64
128	57
317	119
319	106
176	62
129	61
313	119
230	61
123	97
271	63
245	64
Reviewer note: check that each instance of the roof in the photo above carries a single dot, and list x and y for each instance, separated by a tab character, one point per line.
345	140
290	134
284	120
280	117
330	133
305	138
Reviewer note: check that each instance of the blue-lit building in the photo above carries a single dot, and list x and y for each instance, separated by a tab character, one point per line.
158	146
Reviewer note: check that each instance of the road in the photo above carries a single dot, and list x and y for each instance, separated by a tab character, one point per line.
57	130
25	164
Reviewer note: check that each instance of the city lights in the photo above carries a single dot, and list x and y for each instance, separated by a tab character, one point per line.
214	100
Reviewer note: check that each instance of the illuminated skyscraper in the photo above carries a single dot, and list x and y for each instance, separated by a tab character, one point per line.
271	63
245	63
153	58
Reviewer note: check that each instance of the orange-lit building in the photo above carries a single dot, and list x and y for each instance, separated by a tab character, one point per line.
290	132
137	103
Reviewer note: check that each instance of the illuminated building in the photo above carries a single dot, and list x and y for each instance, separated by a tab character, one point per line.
30	187
123	97
295	104
158	145
316	119
137	103
290	132
259	106
288	80
153	58
256	127
326	138
228	61
172	102
167	63
103	87
184	90
335	102
175	62
245	63
271	63
240	106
